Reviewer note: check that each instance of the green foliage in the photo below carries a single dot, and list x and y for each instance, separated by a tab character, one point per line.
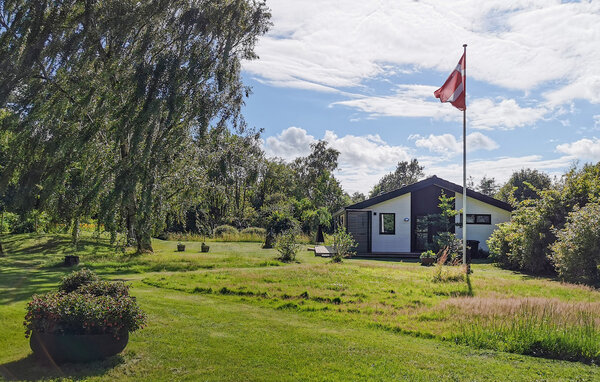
225	230
343	244
488	186
76	313
525	242
84	305
74	280
279	220
258	231
544	329
522	185
406	173
576	252
429	254
109	104
287	246
114	289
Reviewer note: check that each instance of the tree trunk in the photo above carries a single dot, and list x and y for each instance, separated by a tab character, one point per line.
130	217
75	232
145	244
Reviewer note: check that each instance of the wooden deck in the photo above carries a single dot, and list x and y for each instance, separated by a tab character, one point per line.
327	251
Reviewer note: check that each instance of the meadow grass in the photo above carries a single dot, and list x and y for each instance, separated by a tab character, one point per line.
534	326
251	237
236	313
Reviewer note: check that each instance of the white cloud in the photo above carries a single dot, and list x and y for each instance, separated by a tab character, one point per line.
418	101
365	159
448	145
506	114
408	101
518	44
586	149
362	161
499	168
293	142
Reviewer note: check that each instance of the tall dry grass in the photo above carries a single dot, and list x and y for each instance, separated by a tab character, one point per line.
236	237
540	327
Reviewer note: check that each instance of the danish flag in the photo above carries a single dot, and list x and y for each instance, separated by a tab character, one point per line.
453	90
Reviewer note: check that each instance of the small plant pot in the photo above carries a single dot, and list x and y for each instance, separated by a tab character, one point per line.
71	260
428	261
180	247
58	348
204	248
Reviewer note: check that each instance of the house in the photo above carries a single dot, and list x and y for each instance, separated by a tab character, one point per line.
392	223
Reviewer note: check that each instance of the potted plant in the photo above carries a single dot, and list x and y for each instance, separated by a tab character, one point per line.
204	247
428	257
180	247
87	319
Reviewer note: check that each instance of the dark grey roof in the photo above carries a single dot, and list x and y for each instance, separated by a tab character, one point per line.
432	181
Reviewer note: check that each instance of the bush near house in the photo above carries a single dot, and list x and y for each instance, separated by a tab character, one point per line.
538	239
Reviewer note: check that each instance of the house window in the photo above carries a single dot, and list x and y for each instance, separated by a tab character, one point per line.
477	218
387	224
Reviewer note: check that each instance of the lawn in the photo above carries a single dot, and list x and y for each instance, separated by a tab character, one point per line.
236	313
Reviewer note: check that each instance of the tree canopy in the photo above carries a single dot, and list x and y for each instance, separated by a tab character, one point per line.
406	173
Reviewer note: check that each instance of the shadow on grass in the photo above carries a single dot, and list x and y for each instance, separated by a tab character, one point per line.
31	369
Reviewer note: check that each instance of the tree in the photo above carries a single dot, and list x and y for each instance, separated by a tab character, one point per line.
357	197
488	186
406	173
524	184
136	80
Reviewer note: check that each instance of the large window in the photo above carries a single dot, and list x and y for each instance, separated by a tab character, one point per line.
477	219
387	224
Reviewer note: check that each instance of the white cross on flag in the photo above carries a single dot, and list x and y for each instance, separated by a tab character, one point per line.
453	90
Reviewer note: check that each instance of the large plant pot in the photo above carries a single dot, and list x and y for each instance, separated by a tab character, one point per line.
428	261
204	248
76	348
180	247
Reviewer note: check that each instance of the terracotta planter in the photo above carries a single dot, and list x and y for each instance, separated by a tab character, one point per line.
76	348
428	261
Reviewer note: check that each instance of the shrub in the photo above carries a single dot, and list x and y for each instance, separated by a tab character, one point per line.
104	288
576	253
287	246
428	255
76	279
84	305
343	244
76	313
254	231
225	230
443	273
448	242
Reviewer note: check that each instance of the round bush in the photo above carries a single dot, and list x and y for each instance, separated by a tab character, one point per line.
84	305
104	288
75	313
76	279
576	252
225	230
254	231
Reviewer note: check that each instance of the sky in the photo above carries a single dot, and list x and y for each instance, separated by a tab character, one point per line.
361	75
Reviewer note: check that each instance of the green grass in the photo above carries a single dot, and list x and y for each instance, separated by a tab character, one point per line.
238	314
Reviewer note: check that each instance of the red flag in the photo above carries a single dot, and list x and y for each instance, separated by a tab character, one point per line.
453	90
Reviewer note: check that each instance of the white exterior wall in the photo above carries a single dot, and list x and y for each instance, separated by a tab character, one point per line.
480	232
400	241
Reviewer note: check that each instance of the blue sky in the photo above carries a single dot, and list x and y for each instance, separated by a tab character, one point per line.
361	75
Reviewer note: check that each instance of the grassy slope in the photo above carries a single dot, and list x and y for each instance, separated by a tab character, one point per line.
277	332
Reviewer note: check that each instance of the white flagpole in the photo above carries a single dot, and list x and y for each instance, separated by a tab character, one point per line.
464	225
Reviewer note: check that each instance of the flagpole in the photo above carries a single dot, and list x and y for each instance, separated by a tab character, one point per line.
464	226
